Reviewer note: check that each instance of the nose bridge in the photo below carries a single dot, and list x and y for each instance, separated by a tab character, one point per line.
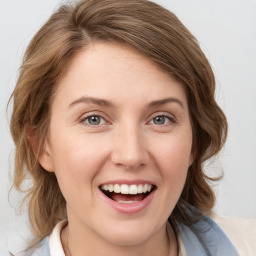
129	148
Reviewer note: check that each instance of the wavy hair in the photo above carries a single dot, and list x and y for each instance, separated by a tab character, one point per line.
155	33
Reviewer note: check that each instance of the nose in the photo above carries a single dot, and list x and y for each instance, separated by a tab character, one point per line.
129	150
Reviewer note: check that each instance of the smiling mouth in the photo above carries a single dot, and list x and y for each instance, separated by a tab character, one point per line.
127	194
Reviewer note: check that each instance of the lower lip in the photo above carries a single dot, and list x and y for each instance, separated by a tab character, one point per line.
131	208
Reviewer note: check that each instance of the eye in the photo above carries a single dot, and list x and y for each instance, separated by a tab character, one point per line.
94	120
161	120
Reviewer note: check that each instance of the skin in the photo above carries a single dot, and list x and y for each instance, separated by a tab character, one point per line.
127	144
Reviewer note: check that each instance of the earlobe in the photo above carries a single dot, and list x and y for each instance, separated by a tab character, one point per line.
191	159
45	158
43	155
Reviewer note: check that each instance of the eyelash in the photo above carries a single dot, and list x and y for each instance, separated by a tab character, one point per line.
170	118
91	116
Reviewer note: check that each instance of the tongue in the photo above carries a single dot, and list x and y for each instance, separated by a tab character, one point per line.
120	197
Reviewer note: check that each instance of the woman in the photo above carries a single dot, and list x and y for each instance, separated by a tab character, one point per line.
114	115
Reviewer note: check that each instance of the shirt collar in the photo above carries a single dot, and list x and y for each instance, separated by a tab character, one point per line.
55	245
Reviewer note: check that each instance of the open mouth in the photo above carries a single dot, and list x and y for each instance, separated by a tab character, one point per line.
127	194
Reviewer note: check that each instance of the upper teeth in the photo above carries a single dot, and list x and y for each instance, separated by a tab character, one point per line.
127	189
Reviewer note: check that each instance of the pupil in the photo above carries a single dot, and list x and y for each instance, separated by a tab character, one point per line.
159	120
94	120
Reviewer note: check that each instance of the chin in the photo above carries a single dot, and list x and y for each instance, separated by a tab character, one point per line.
129	234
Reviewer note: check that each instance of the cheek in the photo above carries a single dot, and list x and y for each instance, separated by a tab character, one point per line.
174	153
173	157
76	162
76	152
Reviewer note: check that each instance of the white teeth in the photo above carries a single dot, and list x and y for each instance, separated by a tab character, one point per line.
140	188
126	189
133	190
110	188
105	187
127	202
117	188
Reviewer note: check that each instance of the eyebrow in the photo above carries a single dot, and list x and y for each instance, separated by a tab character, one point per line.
103	102
93	100
157	103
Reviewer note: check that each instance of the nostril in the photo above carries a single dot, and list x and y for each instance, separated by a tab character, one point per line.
130	153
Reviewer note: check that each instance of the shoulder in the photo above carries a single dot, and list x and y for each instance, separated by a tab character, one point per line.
212	234
203	236
240	231
49	246
42	249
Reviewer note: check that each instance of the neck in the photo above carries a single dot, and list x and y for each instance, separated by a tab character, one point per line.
163	243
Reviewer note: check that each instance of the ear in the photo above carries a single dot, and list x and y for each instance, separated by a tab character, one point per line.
44	156
192	157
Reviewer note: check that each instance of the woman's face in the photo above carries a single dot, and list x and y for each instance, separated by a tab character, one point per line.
118	123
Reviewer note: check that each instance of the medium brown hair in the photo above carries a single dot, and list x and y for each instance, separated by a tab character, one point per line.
155	33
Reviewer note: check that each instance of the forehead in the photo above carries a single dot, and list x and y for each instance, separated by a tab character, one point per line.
114	71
